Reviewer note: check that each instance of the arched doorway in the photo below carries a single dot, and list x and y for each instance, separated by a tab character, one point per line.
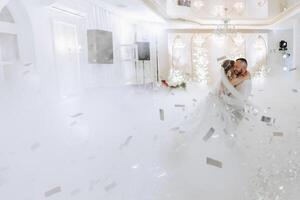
16	42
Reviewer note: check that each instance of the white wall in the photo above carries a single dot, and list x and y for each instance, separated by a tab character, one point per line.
94	17
296	43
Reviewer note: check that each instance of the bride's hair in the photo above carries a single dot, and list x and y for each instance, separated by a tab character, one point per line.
227	65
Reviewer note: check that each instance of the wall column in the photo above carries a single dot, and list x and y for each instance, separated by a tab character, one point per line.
296	53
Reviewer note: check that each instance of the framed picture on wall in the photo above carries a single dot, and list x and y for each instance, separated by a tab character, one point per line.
186	3
143	50
100	47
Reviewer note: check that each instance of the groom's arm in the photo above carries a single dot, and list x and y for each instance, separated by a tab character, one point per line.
237	81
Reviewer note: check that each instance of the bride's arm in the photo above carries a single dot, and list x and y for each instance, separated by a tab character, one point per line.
237	81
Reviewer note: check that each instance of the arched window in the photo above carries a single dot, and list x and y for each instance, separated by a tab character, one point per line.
5	16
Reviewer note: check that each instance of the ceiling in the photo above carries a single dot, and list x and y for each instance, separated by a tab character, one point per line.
135	9
257	14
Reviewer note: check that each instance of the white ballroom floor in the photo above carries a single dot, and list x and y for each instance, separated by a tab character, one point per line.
110	144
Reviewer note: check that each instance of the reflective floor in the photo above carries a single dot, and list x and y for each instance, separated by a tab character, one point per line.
112	144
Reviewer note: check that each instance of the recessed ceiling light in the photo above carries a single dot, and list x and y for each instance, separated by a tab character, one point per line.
198	4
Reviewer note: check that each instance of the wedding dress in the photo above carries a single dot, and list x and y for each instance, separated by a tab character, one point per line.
227	127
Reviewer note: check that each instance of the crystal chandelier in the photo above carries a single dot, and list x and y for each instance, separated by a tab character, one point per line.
225	28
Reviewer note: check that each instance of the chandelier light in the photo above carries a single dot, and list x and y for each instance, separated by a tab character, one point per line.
239	7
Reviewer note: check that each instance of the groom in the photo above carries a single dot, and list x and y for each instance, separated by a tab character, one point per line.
243	83
241	72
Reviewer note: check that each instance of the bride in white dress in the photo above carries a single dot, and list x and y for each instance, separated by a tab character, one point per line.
209	131
225	105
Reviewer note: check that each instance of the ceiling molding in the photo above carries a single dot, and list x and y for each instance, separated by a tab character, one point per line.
157	8
209	31
197	23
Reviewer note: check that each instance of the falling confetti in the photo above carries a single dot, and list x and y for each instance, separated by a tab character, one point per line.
277	134
175	129
161	114
73	123
127	142
209	134
76	115
75	192
214	162
35	146
266	119
179	105
221	58
110	186
53	191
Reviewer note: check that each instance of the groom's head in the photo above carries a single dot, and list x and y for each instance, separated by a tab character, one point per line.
240	66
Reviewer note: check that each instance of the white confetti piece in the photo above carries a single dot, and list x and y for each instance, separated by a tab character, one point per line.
266	119
175	129
278	134
161	114
76	115
127	142
226	132
179	106
4	168
221	58
75	192
110	186
295	90
27	64
35	146
162	175
209	134
73	123
214	162
26	72
53	191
